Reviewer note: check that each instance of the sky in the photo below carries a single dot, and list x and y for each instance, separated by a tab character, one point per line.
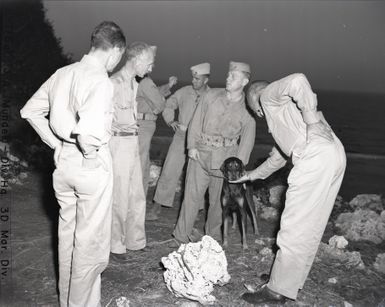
338	45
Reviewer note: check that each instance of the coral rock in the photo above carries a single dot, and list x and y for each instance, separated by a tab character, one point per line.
194	269
362	225
338	242
379	264
339	257
154	175
367	201
269	213
276	193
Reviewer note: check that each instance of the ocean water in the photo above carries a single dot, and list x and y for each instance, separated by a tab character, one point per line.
358	119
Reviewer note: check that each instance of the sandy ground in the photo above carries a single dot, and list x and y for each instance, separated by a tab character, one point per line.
34	257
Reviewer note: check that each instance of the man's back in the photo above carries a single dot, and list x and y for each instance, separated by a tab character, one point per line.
70	98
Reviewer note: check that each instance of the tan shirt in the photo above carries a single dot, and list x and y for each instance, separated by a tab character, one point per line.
150	98
288	104
185	100
125	105
216	115
78	99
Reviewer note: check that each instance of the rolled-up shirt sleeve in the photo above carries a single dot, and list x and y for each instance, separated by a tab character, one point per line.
275	162
152	95
91	114
35	112
164	90
247	140
297	87
171	105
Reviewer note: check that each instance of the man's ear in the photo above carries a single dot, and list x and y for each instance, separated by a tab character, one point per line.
245	81
243	169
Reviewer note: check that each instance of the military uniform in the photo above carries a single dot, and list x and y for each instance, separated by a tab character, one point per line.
314	181
185	100
78	98
220	128
151	102
129	201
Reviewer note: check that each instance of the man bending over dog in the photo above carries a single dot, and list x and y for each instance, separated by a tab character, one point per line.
220	128
290	108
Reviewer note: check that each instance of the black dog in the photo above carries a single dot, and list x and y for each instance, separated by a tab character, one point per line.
237	199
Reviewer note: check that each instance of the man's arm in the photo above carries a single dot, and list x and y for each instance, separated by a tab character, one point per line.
247	140
152	95
298	89
275	162
195	128
171	105
91	129
35	111
165	89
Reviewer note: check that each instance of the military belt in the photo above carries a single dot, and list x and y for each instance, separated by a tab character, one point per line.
124	133
218	141
146	116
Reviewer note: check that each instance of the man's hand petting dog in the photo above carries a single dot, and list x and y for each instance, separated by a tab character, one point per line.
242	179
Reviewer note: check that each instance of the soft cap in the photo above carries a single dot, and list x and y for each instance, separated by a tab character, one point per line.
201	69
239	66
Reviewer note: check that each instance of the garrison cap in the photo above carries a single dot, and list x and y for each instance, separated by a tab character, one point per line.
239	66
201	69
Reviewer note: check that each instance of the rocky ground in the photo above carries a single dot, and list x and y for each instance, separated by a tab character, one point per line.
332	282
353	275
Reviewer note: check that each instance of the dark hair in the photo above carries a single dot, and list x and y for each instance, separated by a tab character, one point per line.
137	48
107	35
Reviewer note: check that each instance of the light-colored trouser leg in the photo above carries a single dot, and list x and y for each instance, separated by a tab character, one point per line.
129	203
313	186
197	182
171	171
85	198
214	214
146	131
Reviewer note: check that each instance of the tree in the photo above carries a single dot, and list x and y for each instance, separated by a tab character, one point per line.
30	53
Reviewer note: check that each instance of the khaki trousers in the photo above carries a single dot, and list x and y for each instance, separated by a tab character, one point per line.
199	178
146	131
314	183
85	198
171	171
129	203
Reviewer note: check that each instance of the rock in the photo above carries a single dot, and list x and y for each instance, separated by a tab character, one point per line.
339	257
154	175
276	193
379	264
338	242
362	225
23	175
367	201
269	213
194	269
122	302
266	252
332	280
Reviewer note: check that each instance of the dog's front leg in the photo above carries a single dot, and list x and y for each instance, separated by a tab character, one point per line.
234	220
225	230
243	213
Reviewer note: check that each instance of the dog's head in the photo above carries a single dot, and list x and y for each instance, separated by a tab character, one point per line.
233	168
